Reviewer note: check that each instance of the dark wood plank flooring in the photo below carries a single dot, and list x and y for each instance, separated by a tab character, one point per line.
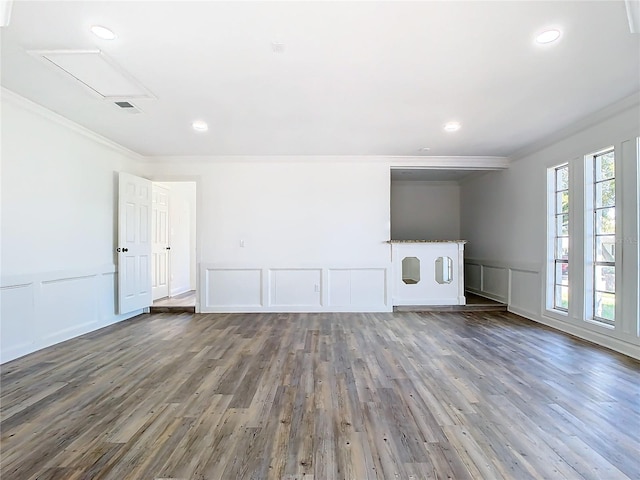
321	396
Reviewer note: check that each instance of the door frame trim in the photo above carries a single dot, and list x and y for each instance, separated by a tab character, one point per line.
197	179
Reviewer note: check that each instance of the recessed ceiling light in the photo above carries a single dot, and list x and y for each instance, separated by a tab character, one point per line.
452	126
200	126
548	36
103	32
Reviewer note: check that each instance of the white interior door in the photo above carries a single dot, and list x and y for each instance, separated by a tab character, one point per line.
134	243
160	248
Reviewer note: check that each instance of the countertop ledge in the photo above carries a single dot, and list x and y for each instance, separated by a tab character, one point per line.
426	241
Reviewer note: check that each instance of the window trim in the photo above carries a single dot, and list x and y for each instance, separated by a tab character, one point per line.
553	235
594	235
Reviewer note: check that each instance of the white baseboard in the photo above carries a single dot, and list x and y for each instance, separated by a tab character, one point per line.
613	343
43	309
523	295
490	296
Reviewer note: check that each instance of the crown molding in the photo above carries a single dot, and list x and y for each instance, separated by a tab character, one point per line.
632	101
266	159
394	161
26	104
450	163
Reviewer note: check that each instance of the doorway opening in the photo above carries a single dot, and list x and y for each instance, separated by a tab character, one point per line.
174	261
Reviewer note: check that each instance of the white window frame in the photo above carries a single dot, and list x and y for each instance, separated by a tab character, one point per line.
590	237
552	236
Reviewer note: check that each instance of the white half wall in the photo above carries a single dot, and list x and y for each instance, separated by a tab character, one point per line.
59	204
428	273
504	217
425	210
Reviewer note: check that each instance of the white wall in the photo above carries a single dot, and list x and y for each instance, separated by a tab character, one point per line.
425	210
504	219
314	232
58	228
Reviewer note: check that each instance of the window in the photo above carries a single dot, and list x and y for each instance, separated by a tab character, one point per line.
604	237
411	270
591	239
560	232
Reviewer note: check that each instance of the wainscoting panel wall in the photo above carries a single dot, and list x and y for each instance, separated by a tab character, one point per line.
364	287
487	278
473	277
516	285
17	337
241	288
519	285
108	297
525	290
495	282
40	310
72	301
226	287
296	287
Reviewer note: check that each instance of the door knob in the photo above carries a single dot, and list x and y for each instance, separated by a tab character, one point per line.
167	248
122	250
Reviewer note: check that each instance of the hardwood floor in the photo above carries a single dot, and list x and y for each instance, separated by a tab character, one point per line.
321	396
187	299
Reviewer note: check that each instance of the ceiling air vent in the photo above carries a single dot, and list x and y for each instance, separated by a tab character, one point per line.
127	106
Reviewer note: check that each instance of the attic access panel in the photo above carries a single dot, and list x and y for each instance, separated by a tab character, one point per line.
96	72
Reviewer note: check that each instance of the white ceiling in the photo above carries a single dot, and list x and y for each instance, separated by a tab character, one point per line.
355	78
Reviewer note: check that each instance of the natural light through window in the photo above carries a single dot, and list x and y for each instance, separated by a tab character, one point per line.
604	237
561	238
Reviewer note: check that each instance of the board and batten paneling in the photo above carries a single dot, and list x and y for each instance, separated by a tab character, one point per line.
295	287
517	285
57	295
524	292
487	278
40	310
231	288
495	281
357	287
18	319
240	288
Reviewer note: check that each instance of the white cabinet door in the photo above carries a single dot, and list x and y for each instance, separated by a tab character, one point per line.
160	245
134	243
